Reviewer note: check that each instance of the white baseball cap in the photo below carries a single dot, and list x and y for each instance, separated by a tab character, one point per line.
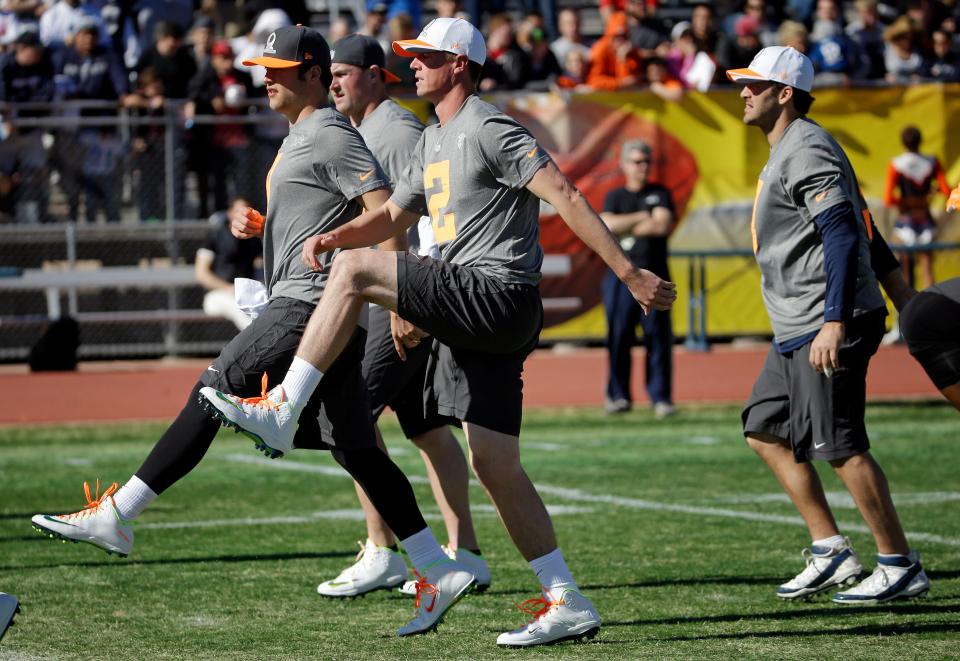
448	35
779	64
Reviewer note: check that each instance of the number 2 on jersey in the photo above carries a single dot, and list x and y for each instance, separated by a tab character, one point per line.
444	224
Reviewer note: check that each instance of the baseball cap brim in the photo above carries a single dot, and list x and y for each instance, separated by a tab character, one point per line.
411	47
744	75
389	77
271	62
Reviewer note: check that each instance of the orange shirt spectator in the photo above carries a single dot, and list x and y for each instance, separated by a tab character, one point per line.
614	62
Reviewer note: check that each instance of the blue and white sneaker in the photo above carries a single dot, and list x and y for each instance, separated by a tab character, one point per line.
896	577
826	567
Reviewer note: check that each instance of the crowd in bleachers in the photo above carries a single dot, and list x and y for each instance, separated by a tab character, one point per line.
139	55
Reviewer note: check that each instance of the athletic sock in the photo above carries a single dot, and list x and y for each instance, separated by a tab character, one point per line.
423	549
133	497
300	382
553	574
834	542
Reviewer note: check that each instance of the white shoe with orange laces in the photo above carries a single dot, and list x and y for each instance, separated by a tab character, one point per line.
473	563
440	586
269	420
99	523
572	617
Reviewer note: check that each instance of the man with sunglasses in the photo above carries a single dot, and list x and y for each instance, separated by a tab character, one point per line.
641	213
811	234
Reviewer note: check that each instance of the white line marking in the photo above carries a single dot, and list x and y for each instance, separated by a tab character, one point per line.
843	500
547	447
582	496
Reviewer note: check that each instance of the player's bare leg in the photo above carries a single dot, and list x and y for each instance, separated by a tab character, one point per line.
800	481
868	485
952	393
449	480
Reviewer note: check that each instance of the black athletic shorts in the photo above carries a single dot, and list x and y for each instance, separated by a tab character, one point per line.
930	324
484	329
821	417
338	413
397	383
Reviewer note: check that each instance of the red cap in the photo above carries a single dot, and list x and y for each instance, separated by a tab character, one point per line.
222	48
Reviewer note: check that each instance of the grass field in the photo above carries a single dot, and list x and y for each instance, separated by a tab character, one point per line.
674	529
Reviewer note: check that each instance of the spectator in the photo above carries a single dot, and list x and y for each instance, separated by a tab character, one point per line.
661	81
169	60
60	22
944	64
340	27
761	13
575	68
201	40
449	9
103	155
609	7
902	60
691	66
705	34
570	38
22	16
835	57
26	76
400	28
222	90
543	66
148	15
740	50
84	71
614	62
507	64
223	259
375	21
794	35
647	33
641	214
532	20
148	146
867	32
826	20
911	181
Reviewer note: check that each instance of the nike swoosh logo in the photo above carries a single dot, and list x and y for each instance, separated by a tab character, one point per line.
817	446
532	152
54	519
212	369
229	401
433	603
366	175
820	196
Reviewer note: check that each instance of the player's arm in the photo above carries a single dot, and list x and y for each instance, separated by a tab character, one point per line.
886	268
377	198
377	225
550	185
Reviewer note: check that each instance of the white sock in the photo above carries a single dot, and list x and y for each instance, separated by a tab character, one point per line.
133	497
423	549
831	542
553	574
300	382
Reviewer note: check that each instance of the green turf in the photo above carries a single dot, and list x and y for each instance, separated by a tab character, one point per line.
670	575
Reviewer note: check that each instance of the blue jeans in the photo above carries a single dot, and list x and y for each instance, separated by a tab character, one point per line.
623	314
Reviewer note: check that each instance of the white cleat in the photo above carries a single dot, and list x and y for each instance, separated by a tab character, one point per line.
268	420
9	606
572	617
827	567
473	563
376	568
441	586
894	578
99	523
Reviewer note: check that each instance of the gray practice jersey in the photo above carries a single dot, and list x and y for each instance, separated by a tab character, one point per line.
470	174
392	132
807	173
321	167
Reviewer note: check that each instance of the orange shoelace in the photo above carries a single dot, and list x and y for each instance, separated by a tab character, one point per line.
93	504
262	401
538	606
425	587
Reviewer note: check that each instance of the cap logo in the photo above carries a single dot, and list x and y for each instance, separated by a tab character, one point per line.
269	47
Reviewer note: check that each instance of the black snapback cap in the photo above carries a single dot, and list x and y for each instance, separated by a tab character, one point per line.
361	51
290	46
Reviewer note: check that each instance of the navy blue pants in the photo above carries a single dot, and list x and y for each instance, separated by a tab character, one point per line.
623	315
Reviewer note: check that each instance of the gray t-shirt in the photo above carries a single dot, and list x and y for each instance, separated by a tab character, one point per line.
470	174
392	132
322	166
807	173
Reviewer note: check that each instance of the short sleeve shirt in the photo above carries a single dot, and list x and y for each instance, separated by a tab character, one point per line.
470	176
807	174
322	166
392	133
648	252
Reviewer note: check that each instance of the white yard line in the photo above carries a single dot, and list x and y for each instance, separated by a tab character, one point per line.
577	495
